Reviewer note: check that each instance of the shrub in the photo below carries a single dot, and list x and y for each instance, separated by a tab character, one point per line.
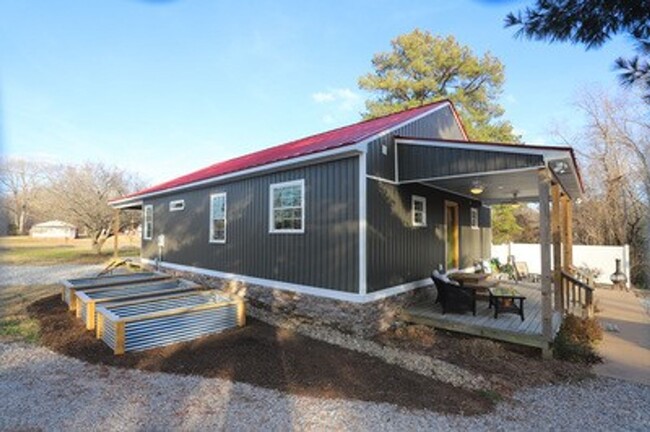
577	339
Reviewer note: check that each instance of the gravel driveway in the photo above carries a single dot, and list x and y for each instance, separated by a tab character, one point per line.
31	275
53	392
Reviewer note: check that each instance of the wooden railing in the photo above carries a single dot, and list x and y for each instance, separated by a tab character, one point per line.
577	294
582	275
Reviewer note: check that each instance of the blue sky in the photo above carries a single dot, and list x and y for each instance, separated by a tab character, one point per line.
166	87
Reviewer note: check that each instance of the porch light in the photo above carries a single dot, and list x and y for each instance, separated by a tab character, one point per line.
477	188
560	167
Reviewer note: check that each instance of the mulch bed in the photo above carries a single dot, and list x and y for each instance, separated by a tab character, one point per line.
509	367
265	356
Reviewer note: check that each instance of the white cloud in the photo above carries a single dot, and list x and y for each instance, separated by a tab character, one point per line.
322	97
343	98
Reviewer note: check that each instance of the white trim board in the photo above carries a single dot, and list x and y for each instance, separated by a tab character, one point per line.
302	289
363	224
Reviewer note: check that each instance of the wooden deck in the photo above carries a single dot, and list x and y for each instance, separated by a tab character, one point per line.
507	327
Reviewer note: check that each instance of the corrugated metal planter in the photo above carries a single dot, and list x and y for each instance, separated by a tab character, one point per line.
87	300
70	286
154	322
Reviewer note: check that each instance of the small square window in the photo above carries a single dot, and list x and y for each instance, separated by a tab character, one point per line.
419	211
384	149
176	205
473	218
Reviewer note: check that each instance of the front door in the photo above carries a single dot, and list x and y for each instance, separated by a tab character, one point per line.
451	235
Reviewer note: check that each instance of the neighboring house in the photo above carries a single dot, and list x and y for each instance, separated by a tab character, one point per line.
359	213
53	229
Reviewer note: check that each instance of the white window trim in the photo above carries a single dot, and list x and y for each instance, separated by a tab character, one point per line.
472	211
144	223
225	218
274	186
174	203
423	200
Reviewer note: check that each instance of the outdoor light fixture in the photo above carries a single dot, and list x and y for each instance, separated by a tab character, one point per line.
560	167
477	188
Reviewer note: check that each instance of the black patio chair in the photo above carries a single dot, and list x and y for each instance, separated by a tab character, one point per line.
453	297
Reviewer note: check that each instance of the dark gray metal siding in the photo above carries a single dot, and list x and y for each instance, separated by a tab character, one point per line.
326	255
398	252
439	124
422	162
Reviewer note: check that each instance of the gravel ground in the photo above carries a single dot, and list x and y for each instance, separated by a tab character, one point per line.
53	392
29	275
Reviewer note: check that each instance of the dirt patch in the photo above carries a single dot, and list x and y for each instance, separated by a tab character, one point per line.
508	367
269	357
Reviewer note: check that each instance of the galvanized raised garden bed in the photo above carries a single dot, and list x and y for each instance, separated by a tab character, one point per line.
86	301
70	286
154	322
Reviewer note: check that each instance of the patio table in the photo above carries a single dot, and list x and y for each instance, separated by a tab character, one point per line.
506	299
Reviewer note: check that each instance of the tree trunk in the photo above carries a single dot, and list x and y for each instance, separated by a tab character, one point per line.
21	221
99	238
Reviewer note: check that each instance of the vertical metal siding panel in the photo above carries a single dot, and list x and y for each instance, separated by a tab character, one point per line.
326	255
417	162
399	253
439	124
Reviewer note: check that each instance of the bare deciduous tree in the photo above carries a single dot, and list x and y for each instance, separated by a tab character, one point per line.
615	152
20	180
80	194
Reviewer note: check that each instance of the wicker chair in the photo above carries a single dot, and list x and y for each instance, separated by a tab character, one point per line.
453	297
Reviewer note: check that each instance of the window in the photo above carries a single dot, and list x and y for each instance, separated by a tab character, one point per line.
287	212
147	232
419	211
218	218
177	205
473	218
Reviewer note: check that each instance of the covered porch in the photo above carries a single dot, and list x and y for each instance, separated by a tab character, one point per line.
497	173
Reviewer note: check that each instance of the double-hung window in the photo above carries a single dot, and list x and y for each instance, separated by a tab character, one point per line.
147	228
419	211
287	207
218	207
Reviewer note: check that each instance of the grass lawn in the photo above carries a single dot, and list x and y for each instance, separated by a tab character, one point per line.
26	250
15	323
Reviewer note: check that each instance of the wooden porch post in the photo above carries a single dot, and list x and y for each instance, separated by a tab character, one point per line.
116	233
556	227
545	244
568	233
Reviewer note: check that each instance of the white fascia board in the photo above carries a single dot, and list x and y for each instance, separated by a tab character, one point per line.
339	153
548	155
126	204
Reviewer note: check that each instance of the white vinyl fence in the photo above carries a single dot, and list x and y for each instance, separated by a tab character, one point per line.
599	259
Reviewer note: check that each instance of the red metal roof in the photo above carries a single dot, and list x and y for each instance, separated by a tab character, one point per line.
344	136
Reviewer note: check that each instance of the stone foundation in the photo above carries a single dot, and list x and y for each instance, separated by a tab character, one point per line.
363	319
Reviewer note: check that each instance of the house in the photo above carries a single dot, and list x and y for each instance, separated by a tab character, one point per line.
54	229
347	217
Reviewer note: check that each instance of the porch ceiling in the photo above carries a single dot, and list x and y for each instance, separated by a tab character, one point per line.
504	170
498	187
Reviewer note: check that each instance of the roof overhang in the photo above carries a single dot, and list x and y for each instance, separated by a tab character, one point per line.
505	171
335	154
